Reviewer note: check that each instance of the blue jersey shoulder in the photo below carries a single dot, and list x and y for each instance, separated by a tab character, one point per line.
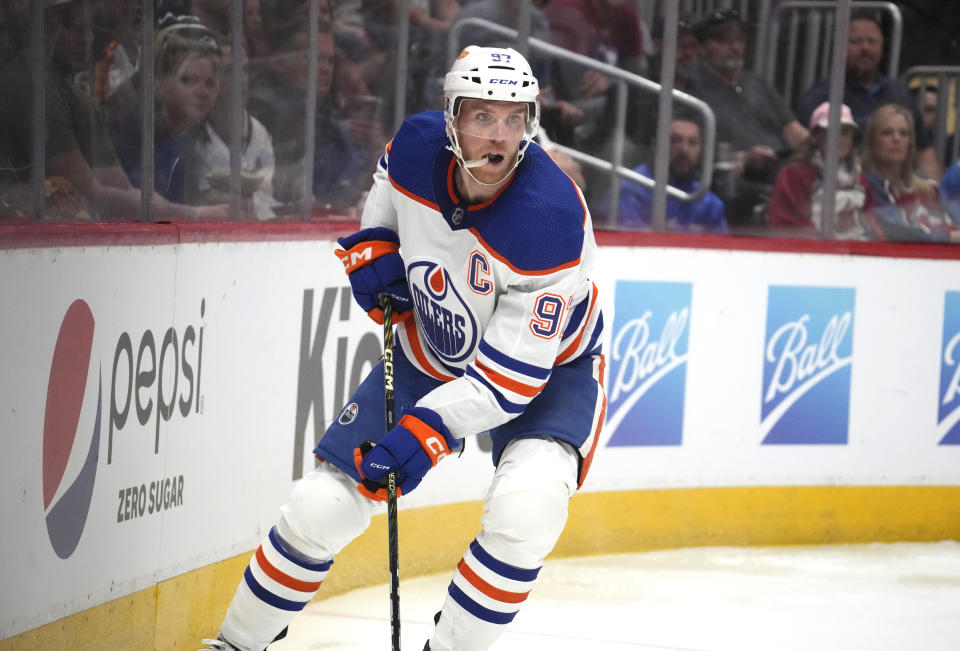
537	224
414	152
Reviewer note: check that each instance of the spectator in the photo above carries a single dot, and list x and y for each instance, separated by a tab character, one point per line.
907	207
430	22
116	47
752	119
687	56
278	99
253	29
796	200
257	161
950	190
607	30
642	107
357	65
928	108
187	81
78	146
213	14
928	111
705	215
866	88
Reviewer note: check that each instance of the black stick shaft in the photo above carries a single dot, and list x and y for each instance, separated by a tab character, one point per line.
392	529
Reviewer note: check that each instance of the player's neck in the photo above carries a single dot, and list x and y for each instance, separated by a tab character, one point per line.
473	192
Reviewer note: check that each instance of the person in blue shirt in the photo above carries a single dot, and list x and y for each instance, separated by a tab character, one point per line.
705	215
950	191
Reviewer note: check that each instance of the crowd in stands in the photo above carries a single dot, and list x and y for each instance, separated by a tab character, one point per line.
770	156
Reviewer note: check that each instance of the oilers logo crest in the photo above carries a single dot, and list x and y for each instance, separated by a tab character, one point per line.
348	414
807	358
948	402
444	317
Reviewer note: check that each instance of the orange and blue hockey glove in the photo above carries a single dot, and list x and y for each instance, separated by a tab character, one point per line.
372	260
410	449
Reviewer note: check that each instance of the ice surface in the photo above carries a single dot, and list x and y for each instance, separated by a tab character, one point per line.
876	597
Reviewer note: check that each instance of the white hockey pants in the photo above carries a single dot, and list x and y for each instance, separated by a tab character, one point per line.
524	513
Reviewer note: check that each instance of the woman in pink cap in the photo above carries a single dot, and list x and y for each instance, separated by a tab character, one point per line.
795	201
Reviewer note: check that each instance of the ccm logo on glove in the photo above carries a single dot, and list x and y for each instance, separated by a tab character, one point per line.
436	448
365	253
410	449
374	266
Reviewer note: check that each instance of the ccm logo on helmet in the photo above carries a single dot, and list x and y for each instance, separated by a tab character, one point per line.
509	82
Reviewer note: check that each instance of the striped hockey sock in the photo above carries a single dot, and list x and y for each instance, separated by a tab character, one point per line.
277	584
484	596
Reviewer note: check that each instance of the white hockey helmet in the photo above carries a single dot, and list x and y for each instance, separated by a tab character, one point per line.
493	73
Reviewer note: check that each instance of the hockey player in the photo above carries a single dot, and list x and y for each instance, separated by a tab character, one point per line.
486	249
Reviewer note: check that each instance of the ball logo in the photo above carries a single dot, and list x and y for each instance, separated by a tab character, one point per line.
948	403
649	363
67	515
443	315
807	357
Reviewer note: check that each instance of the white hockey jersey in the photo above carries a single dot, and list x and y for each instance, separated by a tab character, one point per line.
501	290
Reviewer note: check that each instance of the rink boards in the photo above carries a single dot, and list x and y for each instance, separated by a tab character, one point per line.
161	396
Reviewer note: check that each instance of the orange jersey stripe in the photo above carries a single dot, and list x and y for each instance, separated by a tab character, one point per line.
572	348
525	272
284	579
503	596
508	383
402	190
588	459
451	191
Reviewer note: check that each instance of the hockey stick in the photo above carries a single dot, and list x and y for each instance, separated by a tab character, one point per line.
392	535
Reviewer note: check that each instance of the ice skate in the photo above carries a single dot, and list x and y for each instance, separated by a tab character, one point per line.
218	644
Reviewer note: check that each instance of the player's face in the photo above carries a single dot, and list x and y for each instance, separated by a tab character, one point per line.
893	140
490	130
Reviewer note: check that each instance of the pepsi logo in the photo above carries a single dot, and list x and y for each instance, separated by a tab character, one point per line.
66	500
